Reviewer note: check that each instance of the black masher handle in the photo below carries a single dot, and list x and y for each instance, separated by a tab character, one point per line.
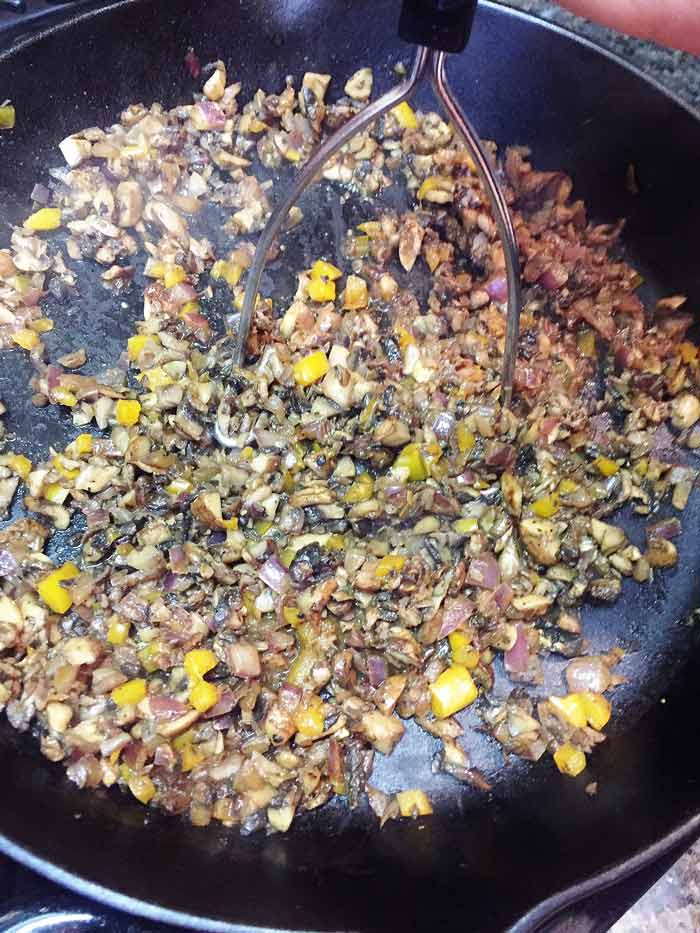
443	25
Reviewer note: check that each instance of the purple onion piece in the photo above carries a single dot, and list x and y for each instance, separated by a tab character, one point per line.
274	574
517	658
376	670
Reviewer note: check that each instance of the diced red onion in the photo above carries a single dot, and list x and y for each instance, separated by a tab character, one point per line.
274	574
165	708
591	673
32	297
289	696
468	476
243	659
456	614
192	63
666	529
53	377
211	114
96	518
517	658
169	582
497	288
217	537
225	704
183	292
443	425
501	456
503	596
164	757
222	723
40	194
483	572
177	559
554	277
8	564
376	670
355	639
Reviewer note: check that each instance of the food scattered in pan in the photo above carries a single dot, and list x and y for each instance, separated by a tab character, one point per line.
241	630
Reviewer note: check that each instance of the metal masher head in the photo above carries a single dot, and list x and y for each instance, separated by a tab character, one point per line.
437	27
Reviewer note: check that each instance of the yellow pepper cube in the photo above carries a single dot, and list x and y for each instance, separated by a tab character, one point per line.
410	464
465	438
321	290
178	486
311	368
7	117
83	444
42	325
371	228
130	693
405	116
572	708
309	718
463	652
292	616
148	656
118	631
156	378
47	218
19	464
598	709
64	397
586	343
127	412
546	506
56	493
452	691
189	758
136	344
155	269
142	787
203	696
26	339
324	270
405	339
62	465
466	526
173	275
605	466
566	487
356	295
569	759
435	184
361	490
53	594
413	803
392	563
199	662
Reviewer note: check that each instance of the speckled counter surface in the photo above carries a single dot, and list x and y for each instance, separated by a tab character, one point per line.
672	905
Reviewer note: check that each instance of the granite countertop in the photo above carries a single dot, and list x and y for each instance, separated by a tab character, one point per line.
672	905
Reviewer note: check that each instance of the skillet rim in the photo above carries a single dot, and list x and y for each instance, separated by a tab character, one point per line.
683	832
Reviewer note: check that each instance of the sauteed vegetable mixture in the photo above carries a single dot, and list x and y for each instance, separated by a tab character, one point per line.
243	629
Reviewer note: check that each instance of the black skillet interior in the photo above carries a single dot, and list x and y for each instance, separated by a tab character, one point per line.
480	861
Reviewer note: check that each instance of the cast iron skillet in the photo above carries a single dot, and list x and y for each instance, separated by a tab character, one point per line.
538	841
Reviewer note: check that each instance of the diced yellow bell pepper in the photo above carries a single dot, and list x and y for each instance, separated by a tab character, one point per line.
605	466
321	290
262	526
566	487
64	397
572	708
18	463
21	283
392	563
466	526
586	343
156	378
155	269
189	757
436	183
598	709
118	631
173	274
309	718
569	759
53	594
26	339
311	368
83	444
361	490
405	339
127	412
292	616
142	787
203	696
60	465
410	464
465	438
356	295
46	218
301	667
56	493
42	325
130	693
336	543
247	453
324	270
370	228
689	351
229	271
546	506
135	345
147	655
463	652
405	116
452	691
199	662
7	117
182	741
413	803
178	486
